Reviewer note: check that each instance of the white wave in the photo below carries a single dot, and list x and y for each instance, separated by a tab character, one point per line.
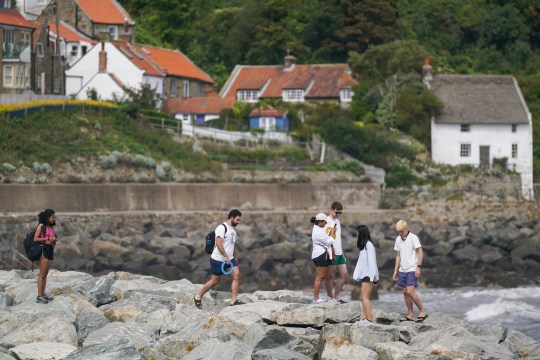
512	294
501	308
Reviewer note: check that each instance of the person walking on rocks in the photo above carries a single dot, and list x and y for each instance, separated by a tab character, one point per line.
408	269
47	237
366	271
321	254
339	264
223	257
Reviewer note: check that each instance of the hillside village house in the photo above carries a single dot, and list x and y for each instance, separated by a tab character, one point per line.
198	109
31	9
291	83
97	19
269	119
484	117
46	63
73	44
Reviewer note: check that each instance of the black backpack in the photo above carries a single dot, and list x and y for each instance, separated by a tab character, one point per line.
33	249
210	241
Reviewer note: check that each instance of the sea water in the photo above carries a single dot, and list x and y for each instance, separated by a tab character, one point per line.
515	308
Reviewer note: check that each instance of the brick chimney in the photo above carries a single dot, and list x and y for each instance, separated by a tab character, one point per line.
289	61
426	73
102	59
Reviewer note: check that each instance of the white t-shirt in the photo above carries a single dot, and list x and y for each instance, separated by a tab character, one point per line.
367	264
229	240
407	252
321	242
328	227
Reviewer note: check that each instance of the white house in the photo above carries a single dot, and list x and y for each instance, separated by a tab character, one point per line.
125	69
73	44
31	9
484	117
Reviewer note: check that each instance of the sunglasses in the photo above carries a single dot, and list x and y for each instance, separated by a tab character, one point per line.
338	212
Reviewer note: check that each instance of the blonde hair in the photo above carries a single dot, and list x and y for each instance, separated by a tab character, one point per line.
401	225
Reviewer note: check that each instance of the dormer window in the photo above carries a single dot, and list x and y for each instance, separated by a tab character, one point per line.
113	33
6	4
248	95
293	95
345	95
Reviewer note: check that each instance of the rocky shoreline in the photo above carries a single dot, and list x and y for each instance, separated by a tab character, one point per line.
497	250
125	316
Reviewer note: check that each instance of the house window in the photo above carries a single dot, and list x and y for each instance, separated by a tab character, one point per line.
25	38
74	50
514	128
267	123
173	87
19	79
39	50
113	33
465	127
84	50
345	95
514	151
8	47
56	85
8	75
294	95
186	88
27	76
248	95
185	118
38	83
465	150
7	4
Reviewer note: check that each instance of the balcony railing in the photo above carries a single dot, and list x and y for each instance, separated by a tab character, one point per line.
12	51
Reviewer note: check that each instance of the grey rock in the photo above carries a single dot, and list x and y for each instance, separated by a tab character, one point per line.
397	351
279	354
43	350
132	331
468	253
215	349
111	350
528	249
358	334
275	337
97	290
5	301
318	315
338	348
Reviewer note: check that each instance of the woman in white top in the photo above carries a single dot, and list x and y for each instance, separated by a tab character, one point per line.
322	253
366	271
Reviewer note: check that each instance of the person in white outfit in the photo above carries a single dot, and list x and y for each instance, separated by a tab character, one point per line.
366	271
322	253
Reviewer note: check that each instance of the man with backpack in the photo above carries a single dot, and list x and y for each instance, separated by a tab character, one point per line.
223	258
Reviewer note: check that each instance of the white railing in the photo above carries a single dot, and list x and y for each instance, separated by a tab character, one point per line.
6	99
232	136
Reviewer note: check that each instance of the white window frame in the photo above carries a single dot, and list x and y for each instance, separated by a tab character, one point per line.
39	50
173	87
346	95
56	85
514	151
293	95
8	36
27	76
267	123
465	150
10	73
25	35
248	95
74	52
7	4
465	128
38	83
19	76
113	32
186	88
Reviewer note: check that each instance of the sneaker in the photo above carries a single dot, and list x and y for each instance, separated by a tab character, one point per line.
41	299
365	322
320	301
48	298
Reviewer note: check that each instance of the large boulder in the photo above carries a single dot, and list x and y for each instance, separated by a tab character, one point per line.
43	351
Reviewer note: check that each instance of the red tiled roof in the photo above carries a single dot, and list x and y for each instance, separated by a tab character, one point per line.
105	12
68	33
267	112
175	63
204	105
14	18
319	81
138	58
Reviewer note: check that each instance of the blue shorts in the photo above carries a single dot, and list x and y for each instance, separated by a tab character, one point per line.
216	266
407	279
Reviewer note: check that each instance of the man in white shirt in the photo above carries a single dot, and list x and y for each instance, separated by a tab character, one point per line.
408	269
222	258
339	264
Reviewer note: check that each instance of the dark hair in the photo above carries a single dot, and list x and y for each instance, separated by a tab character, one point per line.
336	205
234	213
43	217
363	237
313	220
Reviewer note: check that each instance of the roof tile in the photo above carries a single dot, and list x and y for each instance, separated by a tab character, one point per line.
14	18
205	105
105	11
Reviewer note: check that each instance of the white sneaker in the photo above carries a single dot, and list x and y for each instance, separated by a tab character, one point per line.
320	301
332	300
364	322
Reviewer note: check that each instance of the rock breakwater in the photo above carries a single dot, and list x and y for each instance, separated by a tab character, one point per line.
125	316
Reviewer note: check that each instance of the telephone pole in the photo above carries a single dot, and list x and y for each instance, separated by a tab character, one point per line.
58	52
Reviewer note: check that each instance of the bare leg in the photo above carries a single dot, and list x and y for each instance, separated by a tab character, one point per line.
367	312
214	280
343	274
320	274
413	297
329	280
44	266
408	302
235	284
